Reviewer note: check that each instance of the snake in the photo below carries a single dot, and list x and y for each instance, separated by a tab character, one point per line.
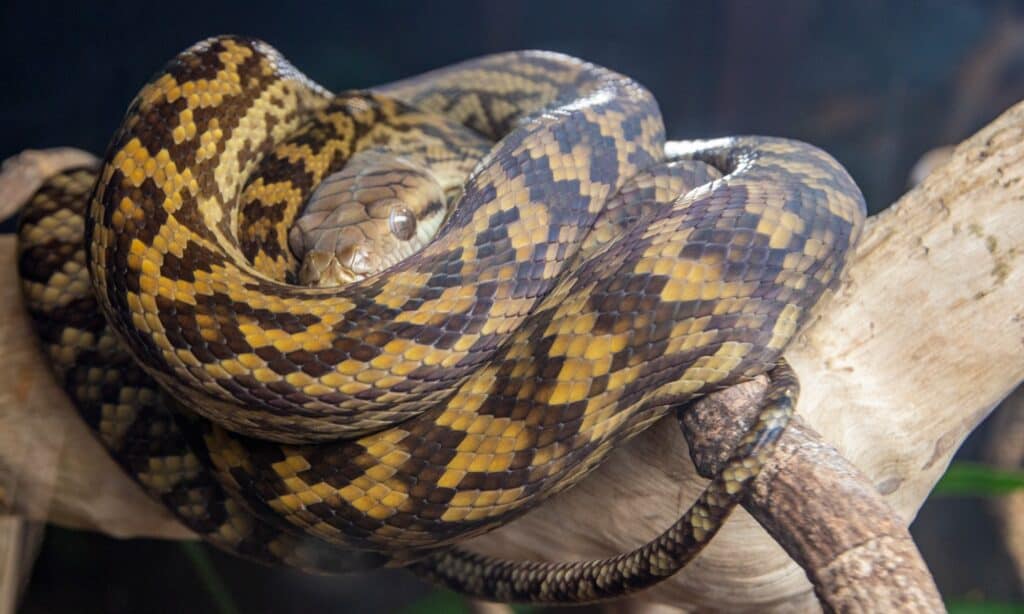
584	279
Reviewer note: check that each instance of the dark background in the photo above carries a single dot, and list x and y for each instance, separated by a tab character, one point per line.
875	83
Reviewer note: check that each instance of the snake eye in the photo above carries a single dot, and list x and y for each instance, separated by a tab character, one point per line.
401	222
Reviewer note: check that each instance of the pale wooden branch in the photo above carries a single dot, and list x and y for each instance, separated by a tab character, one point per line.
19	543
924	338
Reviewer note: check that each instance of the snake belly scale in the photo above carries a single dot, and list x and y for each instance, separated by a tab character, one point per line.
584	285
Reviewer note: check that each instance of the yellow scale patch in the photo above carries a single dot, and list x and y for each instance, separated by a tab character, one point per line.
135	162
489	446
165	472
375	493
785	326
63	225
237	526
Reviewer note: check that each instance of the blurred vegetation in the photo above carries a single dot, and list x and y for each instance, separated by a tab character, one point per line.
976	479
970	479
982	607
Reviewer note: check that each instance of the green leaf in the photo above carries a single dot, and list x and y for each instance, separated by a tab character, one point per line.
446	602
449	602
976	479
958	606
214	584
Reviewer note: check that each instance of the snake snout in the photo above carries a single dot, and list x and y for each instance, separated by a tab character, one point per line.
359	259
346	265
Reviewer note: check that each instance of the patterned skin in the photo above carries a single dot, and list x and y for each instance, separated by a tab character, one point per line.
582	288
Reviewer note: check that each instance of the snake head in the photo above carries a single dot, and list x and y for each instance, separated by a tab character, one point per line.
378	210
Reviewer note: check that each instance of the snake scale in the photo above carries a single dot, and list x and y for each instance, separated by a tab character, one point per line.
590	279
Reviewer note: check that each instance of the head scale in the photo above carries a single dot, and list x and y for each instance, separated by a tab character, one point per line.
378	210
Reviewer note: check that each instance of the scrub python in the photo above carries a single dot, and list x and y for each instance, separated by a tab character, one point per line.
589	279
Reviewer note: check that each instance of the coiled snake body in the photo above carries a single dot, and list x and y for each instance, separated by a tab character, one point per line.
583	286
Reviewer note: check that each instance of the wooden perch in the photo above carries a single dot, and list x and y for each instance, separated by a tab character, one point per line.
924	338
853	547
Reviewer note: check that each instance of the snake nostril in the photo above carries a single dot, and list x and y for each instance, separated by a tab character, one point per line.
314	265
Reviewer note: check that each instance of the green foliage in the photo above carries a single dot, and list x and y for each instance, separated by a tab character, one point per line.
983	607
975	479
978	480
211	580
448	602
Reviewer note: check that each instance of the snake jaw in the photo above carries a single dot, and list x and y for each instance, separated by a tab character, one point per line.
349	264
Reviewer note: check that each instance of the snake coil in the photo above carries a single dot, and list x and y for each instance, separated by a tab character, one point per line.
590	279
